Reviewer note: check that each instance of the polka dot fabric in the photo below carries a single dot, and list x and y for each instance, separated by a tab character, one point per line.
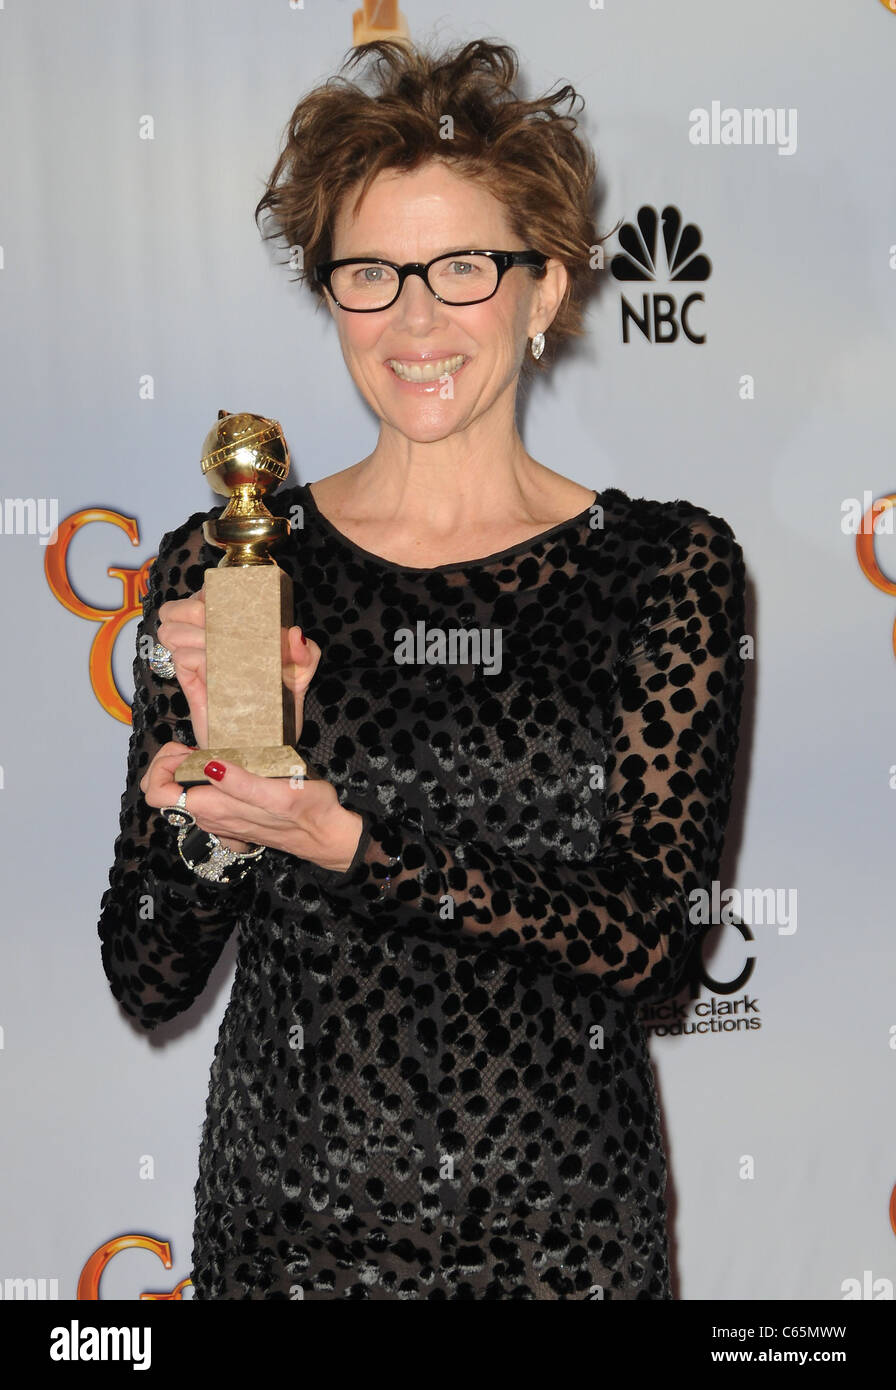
431	1081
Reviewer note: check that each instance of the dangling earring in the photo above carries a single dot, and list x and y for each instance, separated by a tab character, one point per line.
537	345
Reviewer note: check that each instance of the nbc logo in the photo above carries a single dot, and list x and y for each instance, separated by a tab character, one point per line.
660	318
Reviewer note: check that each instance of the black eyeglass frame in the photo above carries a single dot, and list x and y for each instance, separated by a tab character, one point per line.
537	260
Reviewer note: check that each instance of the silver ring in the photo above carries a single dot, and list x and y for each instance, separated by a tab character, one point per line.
161	662
178	814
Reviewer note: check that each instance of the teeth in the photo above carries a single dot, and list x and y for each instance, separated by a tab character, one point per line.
425	371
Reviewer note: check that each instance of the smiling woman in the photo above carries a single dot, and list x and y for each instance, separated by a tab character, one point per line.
431	1081
526	154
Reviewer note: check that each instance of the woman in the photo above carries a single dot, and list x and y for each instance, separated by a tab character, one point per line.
431	1081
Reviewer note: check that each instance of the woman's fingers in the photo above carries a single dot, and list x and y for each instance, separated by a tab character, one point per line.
243	807
190	611
181	637
300	658
181	628
300	661
157	782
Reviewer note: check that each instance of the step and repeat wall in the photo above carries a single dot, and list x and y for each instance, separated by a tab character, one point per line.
739	354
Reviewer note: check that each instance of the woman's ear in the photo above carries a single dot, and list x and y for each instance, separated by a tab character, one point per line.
550	290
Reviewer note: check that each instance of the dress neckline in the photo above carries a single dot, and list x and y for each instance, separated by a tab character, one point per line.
507	551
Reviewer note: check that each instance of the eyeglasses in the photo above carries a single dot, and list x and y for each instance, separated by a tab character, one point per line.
364	285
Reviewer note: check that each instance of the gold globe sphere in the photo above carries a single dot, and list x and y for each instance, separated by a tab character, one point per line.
244	450
243	457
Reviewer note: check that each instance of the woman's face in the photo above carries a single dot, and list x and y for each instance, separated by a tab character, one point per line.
414	217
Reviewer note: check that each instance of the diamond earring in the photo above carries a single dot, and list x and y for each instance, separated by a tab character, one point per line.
537	345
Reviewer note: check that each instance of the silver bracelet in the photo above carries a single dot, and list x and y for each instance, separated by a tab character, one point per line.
220	858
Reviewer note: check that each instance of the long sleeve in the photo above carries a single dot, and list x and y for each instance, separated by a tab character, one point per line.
624	916
162	927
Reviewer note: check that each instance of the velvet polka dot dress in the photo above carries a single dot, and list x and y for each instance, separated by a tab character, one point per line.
431	1081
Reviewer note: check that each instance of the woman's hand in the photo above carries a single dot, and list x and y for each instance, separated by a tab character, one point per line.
305	820
182	630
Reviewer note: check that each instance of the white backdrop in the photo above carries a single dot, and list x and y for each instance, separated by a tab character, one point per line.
137	299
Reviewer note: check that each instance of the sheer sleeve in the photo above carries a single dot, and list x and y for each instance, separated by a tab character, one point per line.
161	926
624	916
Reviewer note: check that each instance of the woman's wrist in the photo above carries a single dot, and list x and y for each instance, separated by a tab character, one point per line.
342	837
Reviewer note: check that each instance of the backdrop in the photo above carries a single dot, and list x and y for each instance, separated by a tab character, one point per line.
750	372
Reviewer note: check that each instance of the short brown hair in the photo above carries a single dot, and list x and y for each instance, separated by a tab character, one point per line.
525	153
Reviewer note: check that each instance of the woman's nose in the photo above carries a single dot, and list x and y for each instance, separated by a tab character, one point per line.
417	301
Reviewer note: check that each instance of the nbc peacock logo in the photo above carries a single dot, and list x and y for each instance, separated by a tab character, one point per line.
661	247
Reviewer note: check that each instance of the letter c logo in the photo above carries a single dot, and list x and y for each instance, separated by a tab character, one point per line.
732	986
865	549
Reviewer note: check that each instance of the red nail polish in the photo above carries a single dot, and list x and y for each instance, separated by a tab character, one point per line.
304	638
215	770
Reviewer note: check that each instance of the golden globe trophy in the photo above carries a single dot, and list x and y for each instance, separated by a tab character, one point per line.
248	606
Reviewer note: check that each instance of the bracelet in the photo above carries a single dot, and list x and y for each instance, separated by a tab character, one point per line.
219	858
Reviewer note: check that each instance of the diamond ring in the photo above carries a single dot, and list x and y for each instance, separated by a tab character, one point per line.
161	662
178	814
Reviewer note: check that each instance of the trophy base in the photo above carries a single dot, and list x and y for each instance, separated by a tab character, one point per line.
264	762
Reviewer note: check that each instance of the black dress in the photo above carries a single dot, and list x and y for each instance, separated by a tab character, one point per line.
437	1086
